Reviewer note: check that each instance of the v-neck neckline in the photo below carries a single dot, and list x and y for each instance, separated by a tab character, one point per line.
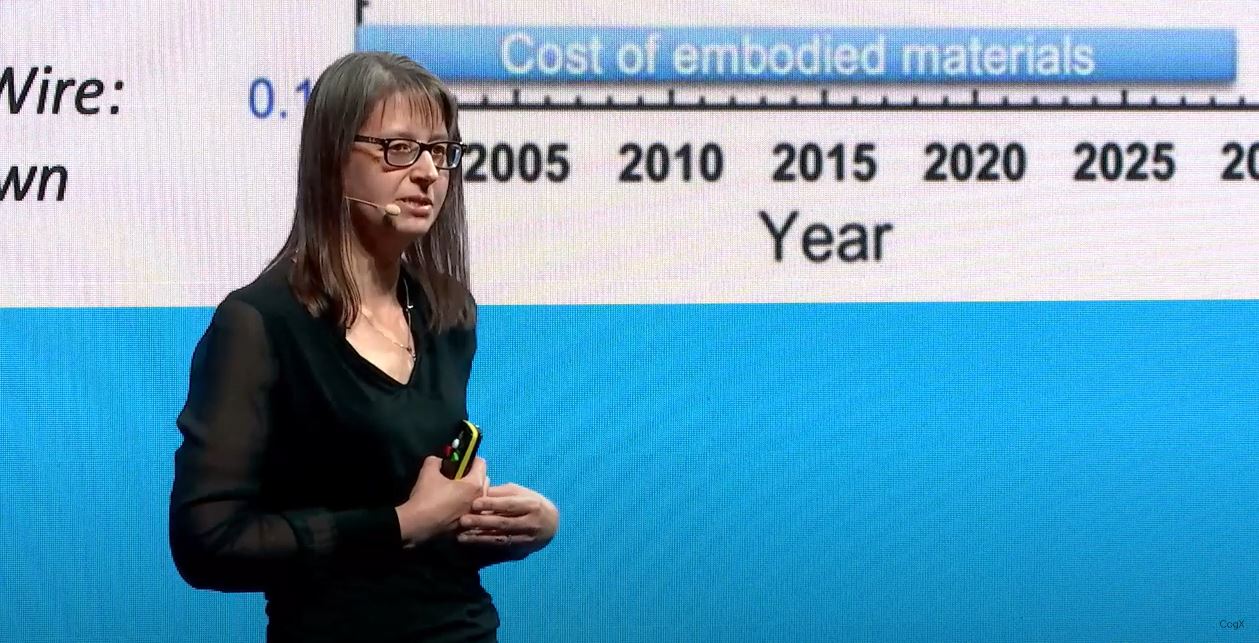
380	372
418	320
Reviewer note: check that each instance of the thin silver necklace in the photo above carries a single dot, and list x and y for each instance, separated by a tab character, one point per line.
410	347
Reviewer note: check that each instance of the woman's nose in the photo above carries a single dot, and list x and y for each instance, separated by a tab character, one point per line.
424	169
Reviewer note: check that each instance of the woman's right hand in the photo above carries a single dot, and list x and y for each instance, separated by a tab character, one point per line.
437	502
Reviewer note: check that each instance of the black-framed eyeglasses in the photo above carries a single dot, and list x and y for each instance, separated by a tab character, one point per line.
404	152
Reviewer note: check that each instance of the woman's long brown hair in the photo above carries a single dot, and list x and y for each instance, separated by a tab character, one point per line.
318	244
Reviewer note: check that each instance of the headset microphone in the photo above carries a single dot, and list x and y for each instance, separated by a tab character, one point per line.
390	210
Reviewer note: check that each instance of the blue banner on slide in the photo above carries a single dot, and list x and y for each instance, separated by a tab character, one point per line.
804	55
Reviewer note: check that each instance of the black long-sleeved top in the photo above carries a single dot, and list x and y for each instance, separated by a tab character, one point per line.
296	450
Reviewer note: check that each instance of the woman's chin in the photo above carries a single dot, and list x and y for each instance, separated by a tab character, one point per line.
410	225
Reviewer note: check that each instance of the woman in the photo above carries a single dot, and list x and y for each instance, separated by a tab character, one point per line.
320	392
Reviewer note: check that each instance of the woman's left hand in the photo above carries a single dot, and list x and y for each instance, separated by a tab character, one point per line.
510	515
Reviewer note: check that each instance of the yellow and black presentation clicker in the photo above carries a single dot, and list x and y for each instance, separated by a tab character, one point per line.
457	456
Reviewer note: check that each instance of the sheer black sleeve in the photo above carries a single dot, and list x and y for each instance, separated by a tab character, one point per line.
220	537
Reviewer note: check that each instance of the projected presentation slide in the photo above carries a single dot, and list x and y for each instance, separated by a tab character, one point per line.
817	321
